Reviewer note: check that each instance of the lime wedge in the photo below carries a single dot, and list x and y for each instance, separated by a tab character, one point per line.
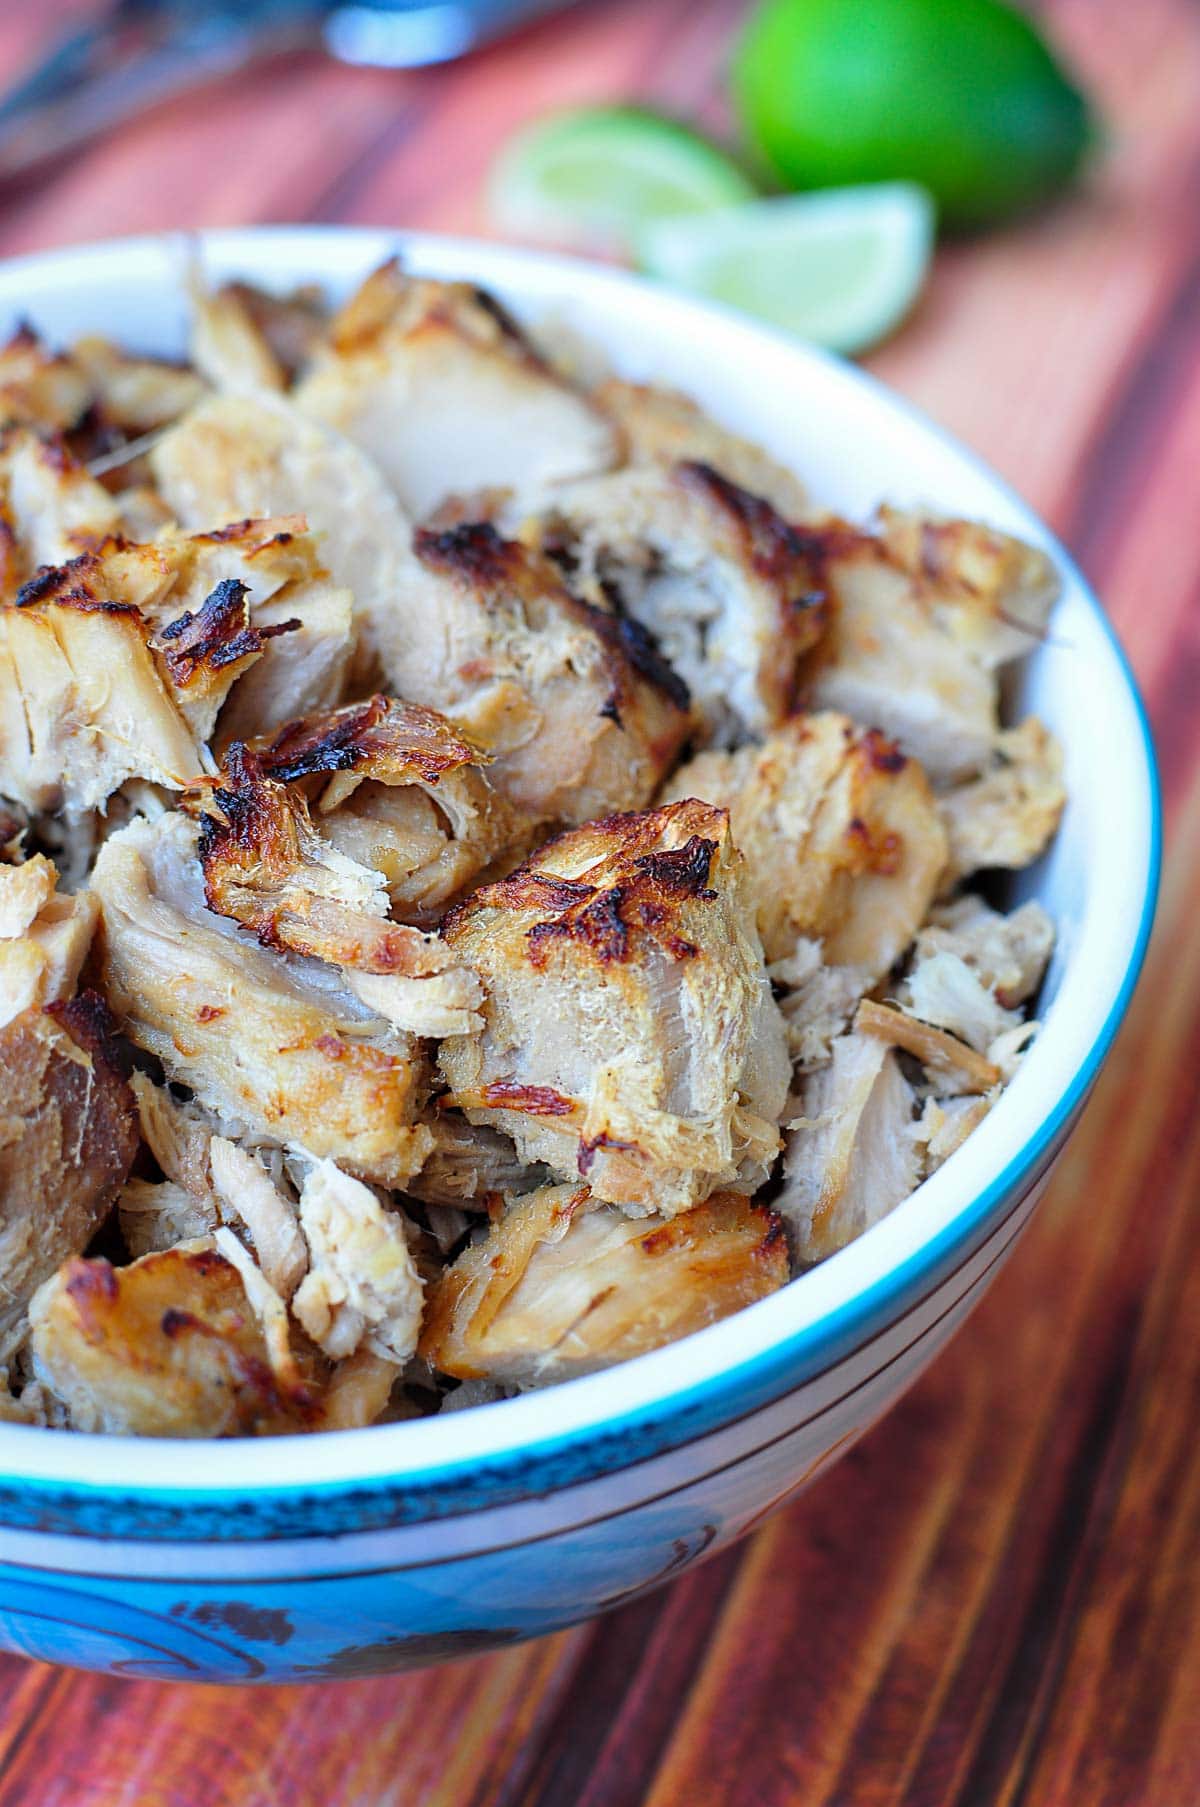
588	179
841	268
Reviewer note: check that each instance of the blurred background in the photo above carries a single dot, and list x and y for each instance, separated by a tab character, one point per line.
1057	296
993	1598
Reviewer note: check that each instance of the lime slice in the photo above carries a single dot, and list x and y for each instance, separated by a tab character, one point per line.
840	268
589	178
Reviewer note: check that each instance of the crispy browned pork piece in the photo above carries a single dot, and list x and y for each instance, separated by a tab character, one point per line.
630	1036
580	714
68	1133
235	456
712	572
95	388
661	426
443	389
115	665
265	866
923	613
562	1284
187	1342
280	1044
169	1346
396	787
852	1152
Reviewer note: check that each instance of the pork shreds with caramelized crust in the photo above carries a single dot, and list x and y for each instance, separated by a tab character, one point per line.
266	867
166	1347
397	788
116	665
442	388
580	714
236	456
561	1284
501	817
50	509
712	572
95	391
660	1073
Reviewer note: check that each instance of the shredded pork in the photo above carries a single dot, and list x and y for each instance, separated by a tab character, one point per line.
485	864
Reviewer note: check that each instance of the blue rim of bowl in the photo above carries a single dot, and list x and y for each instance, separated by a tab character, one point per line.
565	1457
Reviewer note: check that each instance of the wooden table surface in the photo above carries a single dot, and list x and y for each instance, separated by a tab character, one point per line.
993	1599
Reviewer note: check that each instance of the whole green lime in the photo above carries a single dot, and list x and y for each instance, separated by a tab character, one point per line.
962	96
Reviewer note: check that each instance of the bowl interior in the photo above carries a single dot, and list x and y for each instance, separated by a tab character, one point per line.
855	444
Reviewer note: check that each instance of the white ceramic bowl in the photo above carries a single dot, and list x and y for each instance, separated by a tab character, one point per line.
296	1557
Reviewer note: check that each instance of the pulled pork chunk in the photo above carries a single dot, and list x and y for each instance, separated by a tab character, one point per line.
254	591
50	509
959	1000
1008	954
945	1124
67	1138
840	833
169	1346
469	1164
44	937
234	456
95	391
719	581
247	1194
290	325
579	713
445	392
852	1155
362	1288
562	1285
661	426
923	613
280	1044
83	706
115	665
397	788
843	849
992	592
266	867
227	345
129	396
1009	815
38	387
629	1036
